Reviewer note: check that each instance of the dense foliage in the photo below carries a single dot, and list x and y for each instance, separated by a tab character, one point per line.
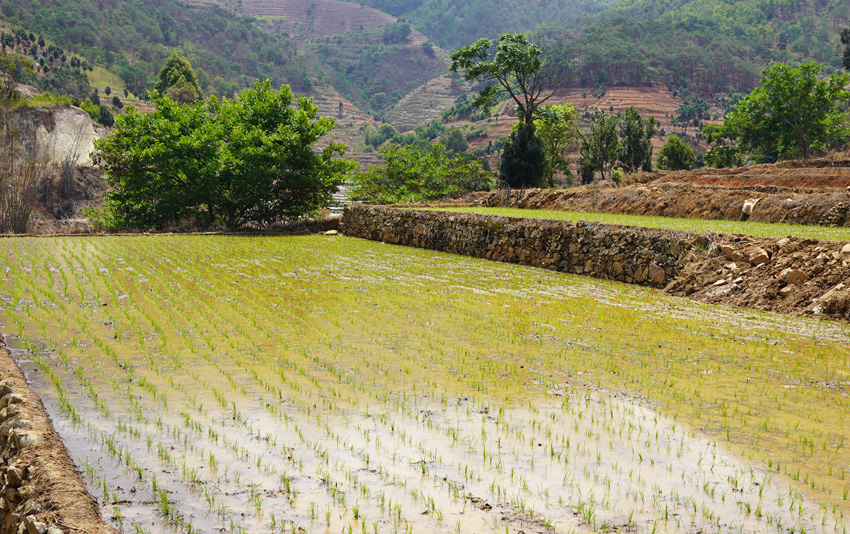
454	22
522	162
706	45
414	175
134	38
214	162
794	113
676	155
177	81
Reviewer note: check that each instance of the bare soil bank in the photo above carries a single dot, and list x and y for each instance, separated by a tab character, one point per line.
42	491
812	192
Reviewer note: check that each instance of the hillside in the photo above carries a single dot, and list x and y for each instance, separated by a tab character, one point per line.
132	39
454	23
709	46
306	18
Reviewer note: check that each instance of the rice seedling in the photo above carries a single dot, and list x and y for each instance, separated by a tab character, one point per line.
339	384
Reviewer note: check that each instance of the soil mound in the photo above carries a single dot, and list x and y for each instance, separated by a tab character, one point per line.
789	275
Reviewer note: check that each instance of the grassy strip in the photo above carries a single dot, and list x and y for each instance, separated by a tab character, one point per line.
757	229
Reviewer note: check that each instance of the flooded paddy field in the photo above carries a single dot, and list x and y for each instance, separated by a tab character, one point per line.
328	384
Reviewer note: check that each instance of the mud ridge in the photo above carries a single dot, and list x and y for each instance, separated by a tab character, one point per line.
41	492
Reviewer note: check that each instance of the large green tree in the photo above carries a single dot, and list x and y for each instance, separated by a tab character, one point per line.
795	113
229	162
516	70
845	40
636	135
177	81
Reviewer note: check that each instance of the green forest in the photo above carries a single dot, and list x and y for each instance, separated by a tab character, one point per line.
705	46
133	39
709	46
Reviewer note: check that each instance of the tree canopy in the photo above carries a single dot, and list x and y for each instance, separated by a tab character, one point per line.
229	162
676	155
557	127
414	175
516	70
793	113
177	81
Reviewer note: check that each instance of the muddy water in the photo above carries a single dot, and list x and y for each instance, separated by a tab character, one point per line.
333	385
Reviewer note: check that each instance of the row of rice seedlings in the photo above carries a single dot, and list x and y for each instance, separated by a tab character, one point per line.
434	395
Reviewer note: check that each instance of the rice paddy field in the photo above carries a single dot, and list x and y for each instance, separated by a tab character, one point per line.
757	229
329	384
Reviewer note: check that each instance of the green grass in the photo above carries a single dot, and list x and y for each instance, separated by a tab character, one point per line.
260	383
757	229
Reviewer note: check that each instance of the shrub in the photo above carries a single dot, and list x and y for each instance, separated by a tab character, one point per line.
414	175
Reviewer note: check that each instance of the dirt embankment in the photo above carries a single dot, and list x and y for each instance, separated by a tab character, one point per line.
788	275
797	193
42	492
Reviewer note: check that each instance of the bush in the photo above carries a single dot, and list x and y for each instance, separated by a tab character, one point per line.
92	109
106	118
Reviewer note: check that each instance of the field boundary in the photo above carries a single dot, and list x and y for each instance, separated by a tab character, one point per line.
644	256
42	492
788	275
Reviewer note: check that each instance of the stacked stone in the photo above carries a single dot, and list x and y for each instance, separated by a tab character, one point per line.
628	254
18	495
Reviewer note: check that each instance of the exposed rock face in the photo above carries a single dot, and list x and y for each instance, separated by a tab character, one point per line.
635	255
57	133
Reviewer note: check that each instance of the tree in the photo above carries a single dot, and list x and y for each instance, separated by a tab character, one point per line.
251	159
676	155
454	140
794	113
523	159
177	76
845	40
410	174
600	150
557	129
725	153
516	71
636	135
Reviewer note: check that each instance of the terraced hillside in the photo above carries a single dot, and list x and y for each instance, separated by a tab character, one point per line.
656	100
425	103
304	18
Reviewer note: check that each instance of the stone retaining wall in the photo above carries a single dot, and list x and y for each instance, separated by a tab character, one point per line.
40	490
644	256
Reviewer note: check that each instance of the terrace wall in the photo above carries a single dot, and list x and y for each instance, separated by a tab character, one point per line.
40	490
644	256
